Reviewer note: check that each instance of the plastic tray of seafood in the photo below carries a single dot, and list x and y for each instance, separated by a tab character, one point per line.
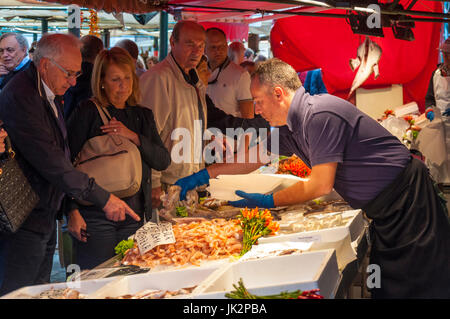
296	226
273	275
198	243
64	290
167	284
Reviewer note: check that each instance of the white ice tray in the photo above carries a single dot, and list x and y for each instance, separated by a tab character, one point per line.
272	275
354	227
84	287
164	280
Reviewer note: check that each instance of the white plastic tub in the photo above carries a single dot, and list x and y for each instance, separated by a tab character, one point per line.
273	275
164	280
353	227
83	287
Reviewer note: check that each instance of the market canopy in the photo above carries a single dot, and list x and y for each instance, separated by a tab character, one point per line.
331	45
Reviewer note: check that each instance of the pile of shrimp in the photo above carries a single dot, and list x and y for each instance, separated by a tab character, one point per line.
196	241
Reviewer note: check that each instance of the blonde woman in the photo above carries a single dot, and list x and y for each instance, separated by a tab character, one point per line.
115	87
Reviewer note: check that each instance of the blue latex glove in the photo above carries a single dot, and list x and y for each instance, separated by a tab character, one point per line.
192	181
252	200
430	115
447	112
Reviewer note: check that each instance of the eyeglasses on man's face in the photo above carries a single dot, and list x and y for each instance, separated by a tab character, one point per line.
69	74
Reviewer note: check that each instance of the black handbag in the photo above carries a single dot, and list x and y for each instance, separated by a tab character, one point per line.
17	198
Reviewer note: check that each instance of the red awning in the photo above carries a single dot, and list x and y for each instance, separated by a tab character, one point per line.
329	44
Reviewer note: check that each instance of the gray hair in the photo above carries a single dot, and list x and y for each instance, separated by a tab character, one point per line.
53	45
23	43
275	72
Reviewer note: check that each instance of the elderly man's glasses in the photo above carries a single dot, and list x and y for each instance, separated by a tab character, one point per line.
69	74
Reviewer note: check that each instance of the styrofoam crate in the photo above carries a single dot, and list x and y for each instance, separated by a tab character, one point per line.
273	275
353	227
163	280
84	287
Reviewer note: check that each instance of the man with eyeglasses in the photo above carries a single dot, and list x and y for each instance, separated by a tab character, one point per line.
229	83
13	56
31	109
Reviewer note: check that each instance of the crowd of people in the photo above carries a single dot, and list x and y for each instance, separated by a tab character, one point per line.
50	107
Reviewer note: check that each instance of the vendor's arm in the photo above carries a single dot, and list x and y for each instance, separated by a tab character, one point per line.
320	183
202	177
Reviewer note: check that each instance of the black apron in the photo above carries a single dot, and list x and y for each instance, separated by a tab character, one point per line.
410	235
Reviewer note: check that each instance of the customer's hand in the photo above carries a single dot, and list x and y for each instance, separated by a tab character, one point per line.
3	135
76	224
118	128
116	210
156	196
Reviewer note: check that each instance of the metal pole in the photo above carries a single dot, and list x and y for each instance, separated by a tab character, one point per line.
163	34
44	23
106	35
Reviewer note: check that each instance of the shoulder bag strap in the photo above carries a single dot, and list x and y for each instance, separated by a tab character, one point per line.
106	117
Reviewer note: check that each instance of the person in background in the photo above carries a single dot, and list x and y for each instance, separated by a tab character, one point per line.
151	62
313	83
438	94
369	167
174	92
260	58
140	66
31	50
236	52
38	132
250	66
229	84
133	50
90	47
115	87
218	118
249	55
13	56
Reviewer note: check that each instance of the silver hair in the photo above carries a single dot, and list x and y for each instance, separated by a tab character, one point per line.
54	45
275	72
23	43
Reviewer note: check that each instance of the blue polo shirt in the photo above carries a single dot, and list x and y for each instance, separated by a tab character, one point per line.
328	129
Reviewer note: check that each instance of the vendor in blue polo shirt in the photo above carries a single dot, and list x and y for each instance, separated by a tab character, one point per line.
370	168
13	56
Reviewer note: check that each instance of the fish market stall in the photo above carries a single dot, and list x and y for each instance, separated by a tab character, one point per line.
203	248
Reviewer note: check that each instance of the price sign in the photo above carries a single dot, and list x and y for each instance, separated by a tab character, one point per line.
151	235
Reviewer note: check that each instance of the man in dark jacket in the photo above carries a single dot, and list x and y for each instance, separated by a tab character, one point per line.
32	113
91	46
13	56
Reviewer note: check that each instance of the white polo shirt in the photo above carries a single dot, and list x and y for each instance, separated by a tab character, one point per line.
232	86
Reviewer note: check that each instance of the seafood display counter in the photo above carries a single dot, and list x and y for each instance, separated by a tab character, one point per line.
206	248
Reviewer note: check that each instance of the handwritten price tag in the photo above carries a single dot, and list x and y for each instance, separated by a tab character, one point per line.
151	235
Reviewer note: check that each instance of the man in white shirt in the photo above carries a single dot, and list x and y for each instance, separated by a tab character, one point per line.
229	84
